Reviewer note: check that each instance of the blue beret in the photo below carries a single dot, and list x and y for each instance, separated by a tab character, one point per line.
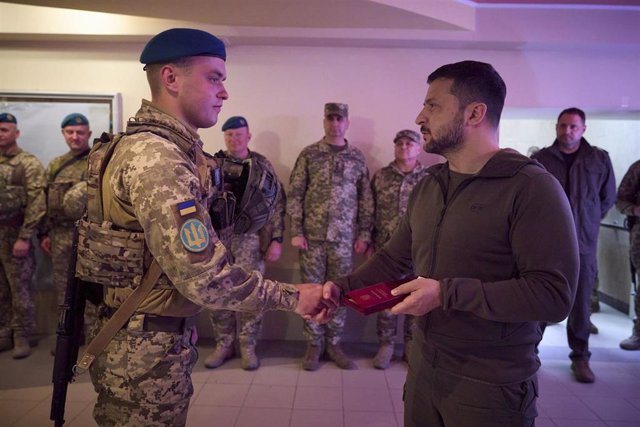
179	43
235	122
8	118
74	119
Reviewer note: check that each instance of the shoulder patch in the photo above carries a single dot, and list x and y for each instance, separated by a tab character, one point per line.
194	235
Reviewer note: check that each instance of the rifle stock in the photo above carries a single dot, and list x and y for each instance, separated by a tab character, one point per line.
70	325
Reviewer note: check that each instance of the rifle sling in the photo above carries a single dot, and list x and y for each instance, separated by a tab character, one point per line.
119	318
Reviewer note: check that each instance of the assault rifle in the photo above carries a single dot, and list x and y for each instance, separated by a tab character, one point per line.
69	331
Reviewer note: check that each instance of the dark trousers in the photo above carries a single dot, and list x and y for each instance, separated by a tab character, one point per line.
579	323
434	398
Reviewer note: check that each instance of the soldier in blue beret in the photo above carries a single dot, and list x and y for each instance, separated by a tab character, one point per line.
74	119
22	206
66	200
157	190
8	118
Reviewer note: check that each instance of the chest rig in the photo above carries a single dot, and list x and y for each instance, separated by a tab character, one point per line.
107	254
14	196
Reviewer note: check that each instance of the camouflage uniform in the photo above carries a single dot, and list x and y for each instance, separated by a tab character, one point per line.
66	202
22	206
627	199
391	189
143	376
331	205
248	252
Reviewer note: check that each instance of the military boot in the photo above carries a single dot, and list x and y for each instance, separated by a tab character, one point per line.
633	342
335	353
311	359
21	347
250	360
219	354
382	359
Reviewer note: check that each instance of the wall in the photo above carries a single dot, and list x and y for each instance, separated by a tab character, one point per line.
281	91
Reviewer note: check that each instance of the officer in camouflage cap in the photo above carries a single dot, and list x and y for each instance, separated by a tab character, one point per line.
331	210
391	188
66	201
22	206
249	251
628	203
154	201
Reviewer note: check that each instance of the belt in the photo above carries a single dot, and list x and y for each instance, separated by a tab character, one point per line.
155	323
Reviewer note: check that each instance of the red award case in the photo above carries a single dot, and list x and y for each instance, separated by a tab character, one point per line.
375	298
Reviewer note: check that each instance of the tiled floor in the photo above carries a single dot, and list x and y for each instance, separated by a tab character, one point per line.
281	394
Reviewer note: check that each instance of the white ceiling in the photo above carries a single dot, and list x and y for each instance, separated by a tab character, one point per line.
362	23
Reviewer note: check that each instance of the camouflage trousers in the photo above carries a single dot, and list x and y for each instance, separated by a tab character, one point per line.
387	327
61	248
144	378
324	261
245	249
17	310
634	255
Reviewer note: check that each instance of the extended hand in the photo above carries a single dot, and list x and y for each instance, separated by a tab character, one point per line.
312	305
424	296
299	242
331	293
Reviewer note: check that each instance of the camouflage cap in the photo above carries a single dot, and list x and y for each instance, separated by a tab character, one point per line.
8	118
179	43
235	122
336	108
409	134
74	119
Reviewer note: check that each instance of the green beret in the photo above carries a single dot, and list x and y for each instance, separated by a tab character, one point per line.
8	118
336	108
235	122
74	119
179	43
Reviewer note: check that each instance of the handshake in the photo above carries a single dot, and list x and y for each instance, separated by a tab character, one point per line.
318	302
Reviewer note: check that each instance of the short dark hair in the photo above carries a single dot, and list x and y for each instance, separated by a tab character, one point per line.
573	110
475	81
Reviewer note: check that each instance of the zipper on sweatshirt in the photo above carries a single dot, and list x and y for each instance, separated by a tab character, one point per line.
442	215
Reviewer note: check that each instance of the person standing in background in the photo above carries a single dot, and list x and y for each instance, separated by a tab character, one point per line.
66	203
391	188
249	251
331	210
586	175
628	203
22	207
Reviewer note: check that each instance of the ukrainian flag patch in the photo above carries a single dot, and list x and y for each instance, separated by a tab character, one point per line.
186	208
194	235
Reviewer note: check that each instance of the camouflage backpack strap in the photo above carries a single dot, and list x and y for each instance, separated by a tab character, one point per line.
99	156
119	318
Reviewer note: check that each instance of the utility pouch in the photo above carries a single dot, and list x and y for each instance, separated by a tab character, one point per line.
55	198
109	257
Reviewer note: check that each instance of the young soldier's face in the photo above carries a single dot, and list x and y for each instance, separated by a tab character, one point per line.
201	91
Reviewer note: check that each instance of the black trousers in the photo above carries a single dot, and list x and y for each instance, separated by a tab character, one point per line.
435	398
